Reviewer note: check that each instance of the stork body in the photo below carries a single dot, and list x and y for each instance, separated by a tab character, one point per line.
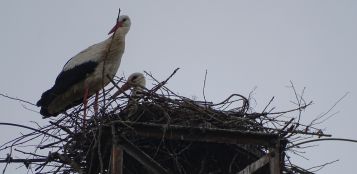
86	73
136	82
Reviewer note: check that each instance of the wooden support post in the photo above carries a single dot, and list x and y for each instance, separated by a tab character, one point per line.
117	160
256	165
275	159
117	154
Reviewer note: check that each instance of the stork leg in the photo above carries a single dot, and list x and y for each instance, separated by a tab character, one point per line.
96	104
85	102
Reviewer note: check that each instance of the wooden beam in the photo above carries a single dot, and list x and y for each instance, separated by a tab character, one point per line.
117	154
195	134
256	165
117	160
141	157
275	167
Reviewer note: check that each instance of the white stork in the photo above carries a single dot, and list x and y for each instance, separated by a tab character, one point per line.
86	73
136	81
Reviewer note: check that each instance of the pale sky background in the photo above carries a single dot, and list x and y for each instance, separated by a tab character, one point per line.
242	44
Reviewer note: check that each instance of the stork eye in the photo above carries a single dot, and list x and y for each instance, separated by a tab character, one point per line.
134	77
124	19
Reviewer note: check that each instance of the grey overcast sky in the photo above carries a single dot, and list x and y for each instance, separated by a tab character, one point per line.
242	44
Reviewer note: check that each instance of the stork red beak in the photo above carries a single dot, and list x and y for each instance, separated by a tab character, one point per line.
123	88
119	24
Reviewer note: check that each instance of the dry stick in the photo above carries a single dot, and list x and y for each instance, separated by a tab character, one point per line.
271	100
58	169
297	169
103	92
160	84
49	145
227	99
287	124
62	128
15	140
319	167
299	104
292	110
299	132
114	98
25	161
255	115
204	87
116	85
42	166
18	99
322	139
297	99
8	158
333	106
104	61
36	130
29	153
19	141
70	162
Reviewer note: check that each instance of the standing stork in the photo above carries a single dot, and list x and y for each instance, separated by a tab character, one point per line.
86	73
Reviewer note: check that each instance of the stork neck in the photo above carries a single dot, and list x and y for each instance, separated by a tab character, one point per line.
136	91
116	44
119	34
117	39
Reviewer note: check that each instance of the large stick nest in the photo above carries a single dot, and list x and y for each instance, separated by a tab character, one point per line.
78	146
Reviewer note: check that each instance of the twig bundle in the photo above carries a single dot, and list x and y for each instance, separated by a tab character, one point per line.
131	121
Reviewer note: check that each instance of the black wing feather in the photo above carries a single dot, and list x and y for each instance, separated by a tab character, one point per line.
64	81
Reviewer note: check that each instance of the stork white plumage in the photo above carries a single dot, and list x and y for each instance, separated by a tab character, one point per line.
86	73
136	81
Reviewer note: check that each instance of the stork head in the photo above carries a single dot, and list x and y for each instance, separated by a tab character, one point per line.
136	81
123	24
